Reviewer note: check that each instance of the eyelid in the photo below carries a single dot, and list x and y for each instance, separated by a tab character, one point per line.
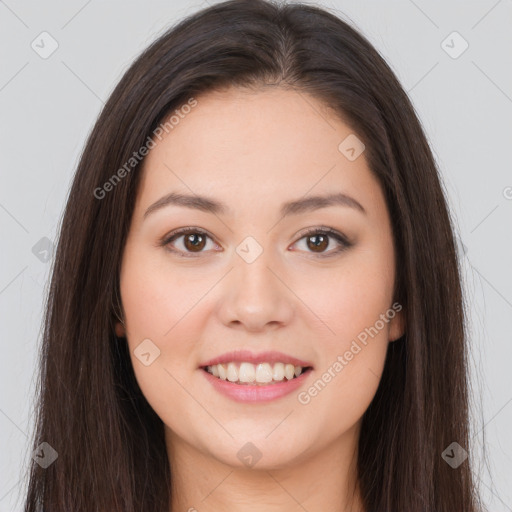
327	230
341	239
173	235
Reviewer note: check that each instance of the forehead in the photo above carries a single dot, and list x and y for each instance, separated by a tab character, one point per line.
254	124
250	145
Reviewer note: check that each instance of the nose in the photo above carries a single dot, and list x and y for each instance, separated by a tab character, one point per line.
255	297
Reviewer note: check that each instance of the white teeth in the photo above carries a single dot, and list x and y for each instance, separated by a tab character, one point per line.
222	371
232	373
247	373
264	373
278	373
289	371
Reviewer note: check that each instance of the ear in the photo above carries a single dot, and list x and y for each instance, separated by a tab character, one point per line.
397	326
120	331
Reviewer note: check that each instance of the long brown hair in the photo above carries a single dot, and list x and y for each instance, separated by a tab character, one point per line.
110	443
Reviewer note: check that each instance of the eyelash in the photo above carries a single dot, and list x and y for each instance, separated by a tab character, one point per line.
341	239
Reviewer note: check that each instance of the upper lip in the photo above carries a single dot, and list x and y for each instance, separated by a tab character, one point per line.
250	357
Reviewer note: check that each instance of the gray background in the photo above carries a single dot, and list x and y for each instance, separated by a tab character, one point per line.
48	107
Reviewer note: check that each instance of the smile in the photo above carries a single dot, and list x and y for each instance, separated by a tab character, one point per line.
245	373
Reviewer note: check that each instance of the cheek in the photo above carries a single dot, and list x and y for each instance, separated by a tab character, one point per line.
160	307
157	307
350	299
354	340
157	299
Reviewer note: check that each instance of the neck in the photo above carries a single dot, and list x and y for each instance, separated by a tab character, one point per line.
325	480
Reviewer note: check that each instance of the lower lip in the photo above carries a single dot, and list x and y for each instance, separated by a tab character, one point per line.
248	393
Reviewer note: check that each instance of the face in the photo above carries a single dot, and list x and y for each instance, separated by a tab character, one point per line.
313	282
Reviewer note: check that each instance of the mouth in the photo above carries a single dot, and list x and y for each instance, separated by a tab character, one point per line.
244	373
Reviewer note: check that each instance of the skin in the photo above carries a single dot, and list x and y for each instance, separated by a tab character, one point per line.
253	151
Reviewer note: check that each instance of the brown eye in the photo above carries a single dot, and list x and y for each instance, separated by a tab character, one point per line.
325	242
318	242
188	242
194	241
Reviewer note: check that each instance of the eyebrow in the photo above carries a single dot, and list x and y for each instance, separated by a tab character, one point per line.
294	207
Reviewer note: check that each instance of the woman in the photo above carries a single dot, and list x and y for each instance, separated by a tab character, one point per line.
256	301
